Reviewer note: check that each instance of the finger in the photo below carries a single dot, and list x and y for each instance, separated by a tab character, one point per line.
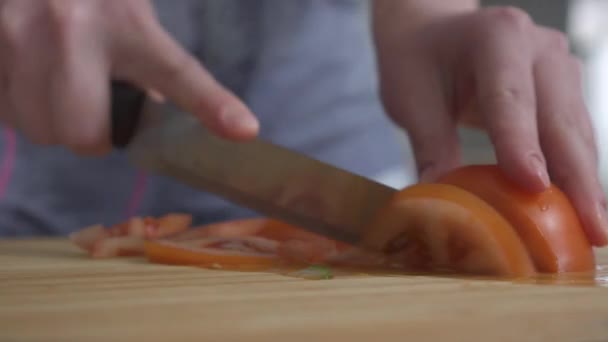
8	30
506	97
27	74
416	102
567	137
162	64
79	91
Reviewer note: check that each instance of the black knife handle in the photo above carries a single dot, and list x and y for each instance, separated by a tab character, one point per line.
126	109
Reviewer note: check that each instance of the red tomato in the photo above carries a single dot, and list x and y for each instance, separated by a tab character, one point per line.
438	227
242	245
127	238
546	222
245	253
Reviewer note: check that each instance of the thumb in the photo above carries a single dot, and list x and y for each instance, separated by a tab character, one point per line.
418	104
167	68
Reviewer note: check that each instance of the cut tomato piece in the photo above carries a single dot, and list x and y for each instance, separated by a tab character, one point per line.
546	222
244	253
167	225
295	244
117	246
438	227
88	236
263	227
127	238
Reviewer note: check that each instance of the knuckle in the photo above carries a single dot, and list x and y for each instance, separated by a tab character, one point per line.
67	16
13	27
509	16
134	15
174	69
589	139
575	64
138	18
510	96
557	41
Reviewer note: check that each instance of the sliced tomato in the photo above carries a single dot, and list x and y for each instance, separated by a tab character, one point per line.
242	253
117	246
167	225
263	227
88	236
127	238
439	227
294	244
546	222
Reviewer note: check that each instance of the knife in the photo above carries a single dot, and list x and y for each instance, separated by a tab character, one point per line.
269	179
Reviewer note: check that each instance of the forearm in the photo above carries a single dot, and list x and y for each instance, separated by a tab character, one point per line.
398	17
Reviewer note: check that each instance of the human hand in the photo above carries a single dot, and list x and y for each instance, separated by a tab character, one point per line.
497	70
59	57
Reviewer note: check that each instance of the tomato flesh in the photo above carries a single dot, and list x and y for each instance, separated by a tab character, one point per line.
432	227
293	244
210	254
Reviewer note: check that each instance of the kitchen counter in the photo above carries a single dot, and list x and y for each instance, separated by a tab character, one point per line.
51	291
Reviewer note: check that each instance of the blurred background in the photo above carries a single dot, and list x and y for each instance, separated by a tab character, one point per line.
586	23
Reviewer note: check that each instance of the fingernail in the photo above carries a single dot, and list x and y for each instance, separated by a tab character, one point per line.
541	170
239	119
603	220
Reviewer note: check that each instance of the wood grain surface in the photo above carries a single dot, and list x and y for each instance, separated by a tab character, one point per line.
50	291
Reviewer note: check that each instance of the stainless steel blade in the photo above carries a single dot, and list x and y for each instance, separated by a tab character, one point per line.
264	177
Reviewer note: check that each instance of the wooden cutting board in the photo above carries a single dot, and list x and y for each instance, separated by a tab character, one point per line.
49	291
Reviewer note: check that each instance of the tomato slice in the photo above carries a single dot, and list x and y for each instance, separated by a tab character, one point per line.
546	222
242	253
264	227
293	244
439	227
127	238
167	225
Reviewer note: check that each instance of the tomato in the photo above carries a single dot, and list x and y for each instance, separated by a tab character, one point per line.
292	244
546	222
243	253
167	225
263	227
88	236
439	227
127	238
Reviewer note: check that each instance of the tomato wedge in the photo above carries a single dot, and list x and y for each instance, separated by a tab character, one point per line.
439	227
546	222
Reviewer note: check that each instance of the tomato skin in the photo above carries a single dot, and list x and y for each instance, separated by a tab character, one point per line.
546	222
443	227
172	253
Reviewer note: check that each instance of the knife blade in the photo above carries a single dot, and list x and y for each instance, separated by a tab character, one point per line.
264	177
